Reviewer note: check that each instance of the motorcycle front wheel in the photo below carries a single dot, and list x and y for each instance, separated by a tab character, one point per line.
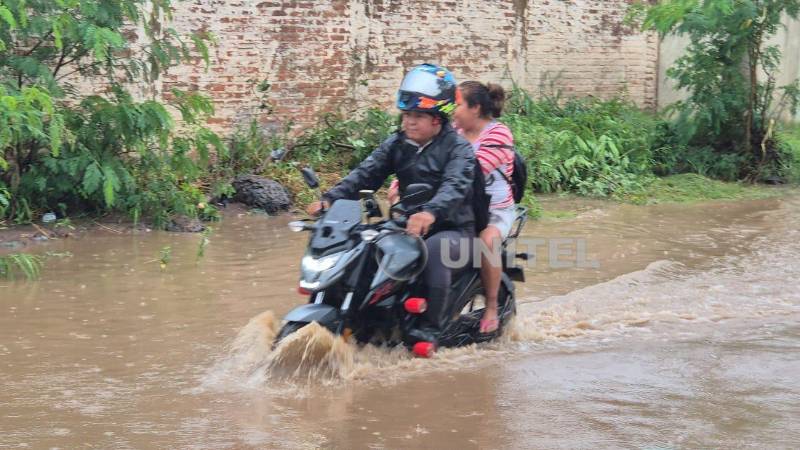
286	330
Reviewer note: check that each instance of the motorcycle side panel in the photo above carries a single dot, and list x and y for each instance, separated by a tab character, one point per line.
323	314
399	258
332	232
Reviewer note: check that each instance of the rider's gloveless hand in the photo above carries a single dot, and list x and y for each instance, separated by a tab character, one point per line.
420	223
394	193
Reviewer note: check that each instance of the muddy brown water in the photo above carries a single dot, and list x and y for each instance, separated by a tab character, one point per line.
686	334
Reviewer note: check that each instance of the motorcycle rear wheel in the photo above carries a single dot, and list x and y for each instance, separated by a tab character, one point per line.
464	326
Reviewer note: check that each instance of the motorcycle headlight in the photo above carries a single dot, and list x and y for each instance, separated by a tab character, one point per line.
369	235
312	264
311	286
297	226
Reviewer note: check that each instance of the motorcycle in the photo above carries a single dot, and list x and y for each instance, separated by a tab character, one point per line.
362	278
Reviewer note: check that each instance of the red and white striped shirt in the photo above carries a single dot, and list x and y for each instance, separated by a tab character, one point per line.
493	151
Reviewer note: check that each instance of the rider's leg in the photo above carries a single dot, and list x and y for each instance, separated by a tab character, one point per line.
444	249
491	271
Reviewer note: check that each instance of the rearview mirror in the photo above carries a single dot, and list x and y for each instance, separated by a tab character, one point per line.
417	194
310	177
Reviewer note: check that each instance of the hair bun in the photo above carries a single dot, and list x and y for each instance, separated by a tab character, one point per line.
496	92
498	96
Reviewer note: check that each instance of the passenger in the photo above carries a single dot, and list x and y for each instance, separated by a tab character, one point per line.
475	117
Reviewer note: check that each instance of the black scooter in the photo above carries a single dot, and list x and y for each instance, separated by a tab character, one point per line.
362	278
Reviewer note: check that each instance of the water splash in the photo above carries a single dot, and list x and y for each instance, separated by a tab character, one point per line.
313	353
313	356
640	302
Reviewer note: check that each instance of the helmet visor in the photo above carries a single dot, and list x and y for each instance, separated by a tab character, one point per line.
424	83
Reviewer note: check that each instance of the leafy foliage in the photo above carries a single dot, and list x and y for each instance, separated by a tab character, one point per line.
789	147
730	75
63	150
588	146
20	263
343	141
335	145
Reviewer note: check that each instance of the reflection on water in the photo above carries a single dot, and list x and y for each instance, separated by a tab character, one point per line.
686	335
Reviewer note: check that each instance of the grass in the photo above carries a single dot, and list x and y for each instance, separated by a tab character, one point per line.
789	144
20	263
692	188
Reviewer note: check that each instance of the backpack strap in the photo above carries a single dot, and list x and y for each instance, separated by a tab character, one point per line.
507	147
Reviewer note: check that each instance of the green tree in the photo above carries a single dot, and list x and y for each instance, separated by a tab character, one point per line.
63	148
729	72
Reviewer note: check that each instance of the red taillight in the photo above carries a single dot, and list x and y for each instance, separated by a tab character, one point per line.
424	349
416	305
303	291
381	292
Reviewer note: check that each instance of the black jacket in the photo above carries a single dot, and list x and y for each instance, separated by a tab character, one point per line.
447	164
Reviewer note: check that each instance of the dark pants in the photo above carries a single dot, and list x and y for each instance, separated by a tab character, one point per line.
437	276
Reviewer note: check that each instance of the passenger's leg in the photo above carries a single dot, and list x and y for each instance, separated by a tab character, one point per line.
491	271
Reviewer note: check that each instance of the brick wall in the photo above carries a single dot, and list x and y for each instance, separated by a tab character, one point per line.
322	55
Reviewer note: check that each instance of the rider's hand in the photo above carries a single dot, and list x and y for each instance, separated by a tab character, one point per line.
394	192
315	208
420	223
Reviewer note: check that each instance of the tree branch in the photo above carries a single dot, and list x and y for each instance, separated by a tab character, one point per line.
39	44
28	161
61	62
79	69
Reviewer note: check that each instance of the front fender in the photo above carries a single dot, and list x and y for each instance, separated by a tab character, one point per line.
325	315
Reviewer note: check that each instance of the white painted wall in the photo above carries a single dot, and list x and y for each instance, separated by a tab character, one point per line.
672	47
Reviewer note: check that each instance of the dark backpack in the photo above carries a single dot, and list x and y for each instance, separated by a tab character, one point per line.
519	177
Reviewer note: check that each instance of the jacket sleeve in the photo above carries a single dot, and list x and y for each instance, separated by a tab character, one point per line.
456	182
370	174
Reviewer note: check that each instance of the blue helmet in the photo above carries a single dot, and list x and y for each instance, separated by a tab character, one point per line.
428	88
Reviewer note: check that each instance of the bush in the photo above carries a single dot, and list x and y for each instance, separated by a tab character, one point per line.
671	156
248	150
789	147
729	71
342	141
65	151
588	146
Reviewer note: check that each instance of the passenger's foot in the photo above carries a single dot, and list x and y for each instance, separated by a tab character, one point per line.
489	321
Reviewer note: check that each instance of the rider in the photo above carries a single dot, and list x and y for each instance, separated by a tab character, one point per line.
427	150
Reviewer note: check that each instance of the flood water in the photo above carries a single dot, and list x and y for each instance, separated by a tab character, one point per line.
684	334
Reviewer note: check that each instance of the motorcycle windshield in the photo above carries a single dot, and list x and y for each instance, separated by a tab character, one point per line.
332	233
